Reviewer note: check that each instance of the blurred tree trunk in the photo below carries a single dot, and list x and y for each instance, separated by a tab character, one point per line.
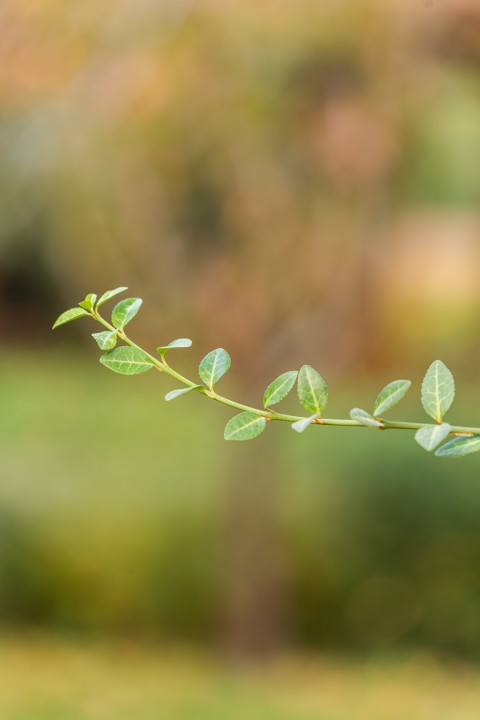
255	594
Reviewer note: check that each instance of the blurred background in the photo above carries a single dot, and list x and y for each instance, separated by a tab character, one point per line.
298	183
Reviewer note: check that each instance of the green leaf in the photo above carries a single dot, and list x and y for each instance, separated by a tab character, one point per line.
176	393
125	311
363	417
109	294
70	315
438	390
214	366
431	436
244	426
105	340
390	396
312	390
180	343
127	361
460	446
89	302
301	425
279	388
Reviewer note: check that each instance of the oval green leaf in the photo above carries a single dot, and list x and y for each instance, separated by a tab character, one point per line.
312	390
279	388
176	393
390	396
364	418
214	366
110	294
105	340
430	436
459	447
244	426
438	390
70	315
180	343
125	311
301	425
127	361
89	302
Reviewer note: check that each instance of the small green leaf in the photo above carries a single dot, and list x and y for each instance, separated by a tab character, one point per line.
363	417
438	390
70	315
390	396
89	302
127	361
180	343
214	366
312	390
244	426
105	340
176	393
431	436
279	388
125	311
460	446
301	425
109	294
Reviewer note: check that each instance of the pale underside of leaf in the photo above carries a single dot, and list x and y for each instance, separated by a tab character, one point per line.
438	390
70	315
430	436
214	366
390	396
244	426
110	294
301	425
312	390
279	388
179	343
364	418
182	391
127	361
460	446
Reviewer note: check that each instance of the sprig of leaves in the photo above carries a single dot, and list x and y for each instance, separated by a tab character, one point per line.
127	358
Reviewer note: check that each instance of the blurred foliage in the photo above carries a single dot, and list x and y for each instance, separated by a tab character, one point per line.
294	181
198	150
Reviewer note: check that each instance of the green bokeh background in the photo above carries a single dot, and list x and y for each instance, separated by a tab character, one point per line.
296	182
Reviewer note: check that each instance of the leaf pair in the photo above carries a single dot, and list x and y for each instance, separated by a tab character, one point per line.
438	393
124	360
386	400
128	360
312	392
213	367
122	313
312	389
87	306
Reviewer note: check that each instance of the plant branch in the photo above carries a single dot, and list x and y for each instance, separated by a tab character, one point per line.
162	366
437	393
